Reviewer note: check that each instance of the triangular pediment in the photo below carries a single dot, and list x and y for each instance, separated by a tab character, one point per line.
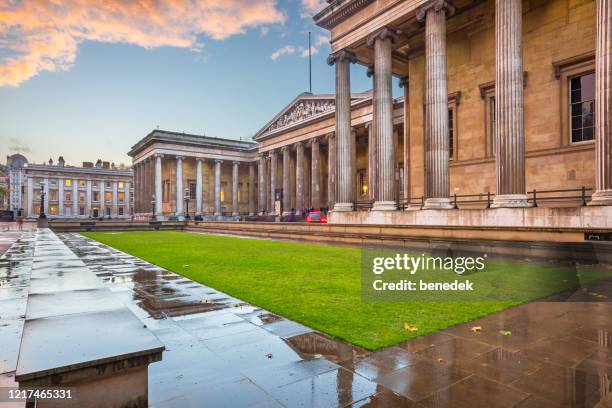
303	108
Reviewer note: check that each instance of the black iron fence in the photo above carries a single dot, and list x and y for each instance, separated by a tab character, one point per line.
580	196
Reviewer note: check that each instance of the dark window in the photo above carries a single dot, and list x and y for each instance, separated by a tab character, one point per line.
192	188
582	108
81	210
121	211
363	183
451	134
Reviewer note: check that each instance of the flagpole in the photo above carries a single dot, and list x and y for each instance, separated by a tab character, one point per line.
309	65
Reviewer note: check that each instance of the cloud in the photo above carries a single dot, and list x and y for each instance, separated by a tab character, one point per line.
44	35
17	145
304	53
287	49
311	7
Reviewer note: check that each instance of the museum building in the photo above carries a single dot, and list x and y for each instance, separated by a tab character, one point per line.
505	105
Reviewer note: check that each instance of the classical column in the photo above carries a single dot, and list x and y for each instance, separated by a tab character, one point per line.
261	170
331	170
75	198
198	197
509	125
179	185
102	201
299	178
406	153
60	196
286	180
114	198
158	184
235	209
31	196
384	175
273	165
88	199
127	206
603	105
344	141
218	187
372	162
315	178
252	206
436	105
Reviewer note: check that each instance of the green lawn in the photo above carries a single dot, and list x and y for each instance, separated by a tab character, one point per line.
319	286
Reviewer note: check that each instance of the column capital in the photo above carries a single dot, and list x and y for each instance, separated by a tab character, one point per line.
341	55
314	140
285	148
235	163
370	71
435	5
160	155
273	153
382	34
330	136
404	81
199	159
218	161
179	157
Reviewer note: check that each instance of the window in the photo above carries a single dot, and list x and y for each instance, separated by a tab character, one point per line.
82	183
81	210
68	183
96	196
53	195
192	188
120	185
121	196
53	209
108	196
492	124
68	211
582	107
108	184
68	196
487	93
120	211
453	107
81	197
401	179
107	210
363	182
166	191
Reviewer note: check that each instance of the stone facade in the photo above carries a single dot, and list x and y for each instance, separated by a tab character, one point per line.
500	100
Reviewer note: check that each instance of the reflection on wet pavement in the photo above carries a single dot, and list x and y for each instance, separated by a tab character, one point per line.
228	353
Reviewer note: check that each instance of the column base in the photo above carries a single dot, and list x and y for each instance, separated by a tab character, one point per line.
384	206
438	204
251	214
217	214
510	201
603	197
287	213
235	214
343	207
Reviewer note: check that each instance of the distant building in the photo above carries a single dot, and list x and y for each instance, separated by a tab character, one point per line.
90	191
4	191
15	164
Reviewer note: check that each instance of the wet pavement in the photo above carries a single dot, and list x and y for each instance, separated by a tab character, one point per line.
221	351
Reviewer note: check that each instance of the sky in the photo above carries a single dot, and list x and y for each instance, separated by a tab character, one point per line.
87	80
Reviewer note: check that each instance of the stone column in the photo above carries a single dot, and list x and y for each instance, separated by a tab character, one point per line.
75	197
252	206
261	170
218	187
603	105
372	162
385	169
101	193
114	198
436	105
60	196
158	184
198	197
31	197
235	208
126	206
406	153
286	180
179	185
315	173
344	141
299	178
509	124
88	199
273	163
331	170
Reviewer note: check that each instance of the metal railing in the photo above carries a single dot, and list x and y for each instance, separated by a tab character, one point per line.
581	195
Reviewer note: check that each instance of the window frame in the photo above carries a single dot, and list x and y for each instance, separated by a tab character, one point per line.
564	71
453	108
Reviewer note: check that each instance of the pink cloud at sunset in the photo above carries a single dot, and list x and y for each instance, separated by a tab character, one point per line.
44	35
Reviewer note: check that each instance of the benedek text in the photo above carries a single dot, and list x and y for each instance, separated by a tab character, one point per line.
422	285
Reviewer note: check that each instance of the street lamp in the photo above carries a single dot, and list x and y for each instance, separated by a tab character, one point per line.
153	206
187	199
42	215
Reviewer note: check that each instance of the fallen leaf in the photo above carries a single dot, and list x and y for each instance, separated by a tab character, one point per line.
269	355
505	332
410	328
440	360
476	329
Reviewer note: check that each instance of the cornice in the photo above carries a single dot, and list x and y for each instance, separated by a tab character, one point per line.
338	11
